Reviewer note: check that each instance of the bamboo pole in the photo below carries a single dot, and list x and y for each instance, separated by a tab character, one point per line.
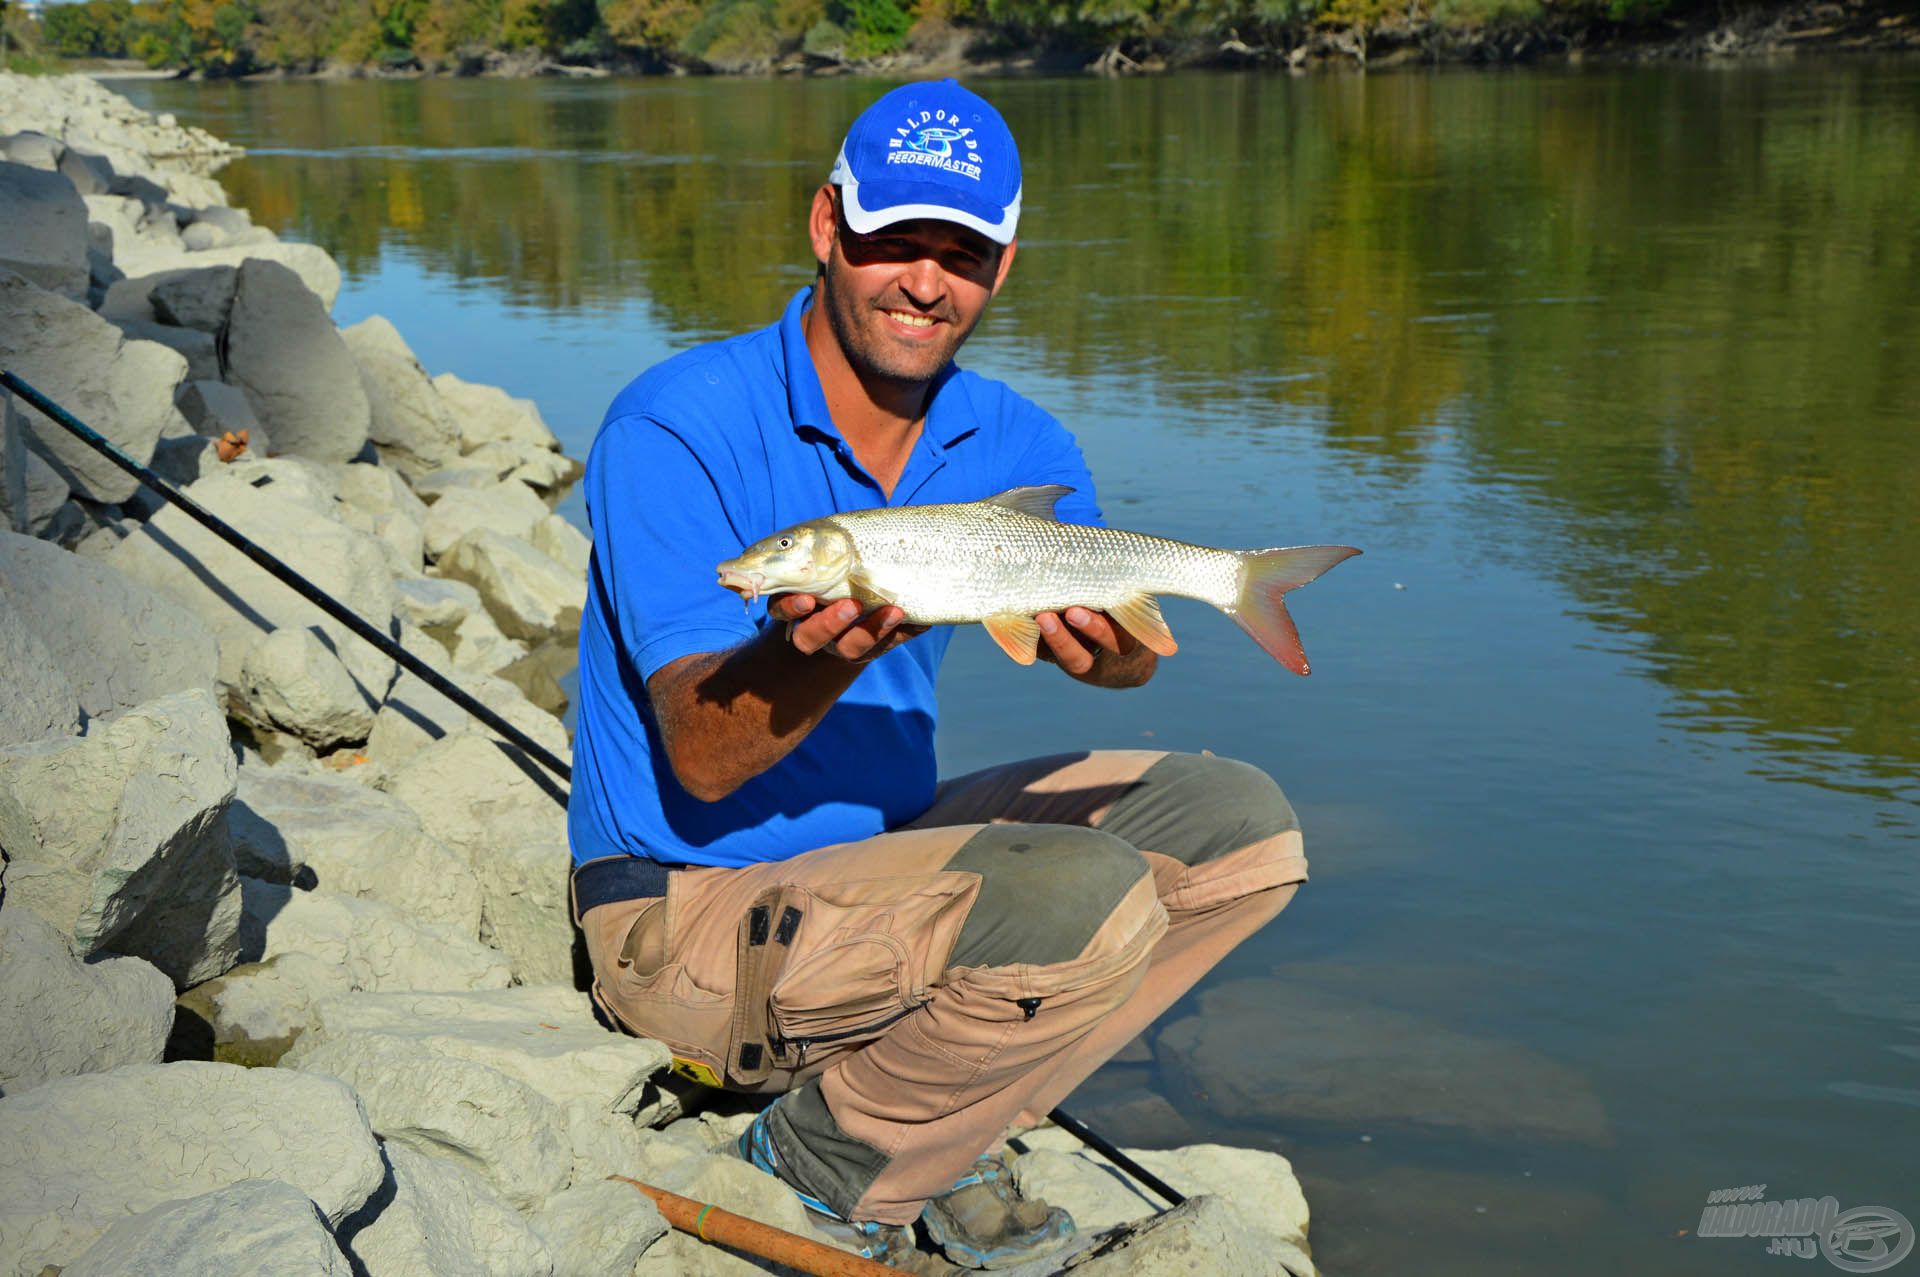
722	1227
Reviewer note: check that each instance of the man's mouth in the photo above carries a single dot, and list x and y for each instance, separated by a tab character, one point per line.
912	319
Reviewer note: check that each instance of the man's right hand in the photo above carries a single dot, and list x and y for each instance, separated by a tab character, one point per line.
837	628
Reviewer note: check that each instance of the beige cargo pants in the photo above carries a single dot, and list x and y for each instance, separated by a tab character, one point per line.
916	992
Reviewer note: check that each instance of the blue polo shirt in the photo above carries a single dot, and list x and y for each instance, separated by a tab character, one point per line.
698	458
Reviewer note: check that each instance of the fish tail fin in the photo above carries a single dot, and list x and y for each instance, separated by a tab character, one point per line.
1265	576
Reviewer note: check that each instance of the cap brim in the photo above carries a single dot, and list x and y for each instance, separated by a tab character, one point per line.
870	206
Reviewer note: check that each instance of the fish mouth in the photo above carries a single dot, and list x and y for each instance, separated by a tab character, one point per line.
748	585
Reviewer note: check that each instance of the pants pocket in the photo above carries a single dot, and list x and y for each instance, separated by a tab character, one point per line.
865	954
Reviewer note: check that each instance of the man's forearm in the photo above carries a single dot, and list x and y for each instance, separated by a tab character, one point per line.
725	717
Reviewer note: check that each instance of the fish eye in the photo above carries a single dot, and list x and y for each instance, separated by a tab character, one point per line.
786	543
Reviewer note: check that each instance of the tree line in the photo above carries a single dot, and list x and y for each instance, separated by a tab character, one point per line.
233	37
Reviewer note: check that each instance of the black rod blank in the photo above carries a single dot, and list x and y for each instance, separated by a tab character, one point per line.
1099	1144
299	584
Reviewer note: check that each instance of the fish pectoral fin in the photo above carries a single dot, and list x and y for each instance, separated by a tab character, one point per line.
859	587
1037	500
1017	635
1140	617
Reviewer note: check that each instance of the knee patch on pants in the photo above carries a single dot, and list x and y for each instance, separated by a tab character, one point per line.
1044	891
1195	808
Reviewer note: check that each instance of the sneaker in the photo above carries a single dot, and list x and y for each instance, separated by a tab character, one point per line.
890	1244
983	1221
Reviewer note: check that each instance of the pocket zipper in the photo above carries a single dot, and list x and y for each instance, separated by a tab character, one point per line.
801	1045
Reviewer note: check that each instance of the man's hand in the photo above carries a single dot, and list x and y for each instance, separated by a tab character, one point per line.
1090	647
838	628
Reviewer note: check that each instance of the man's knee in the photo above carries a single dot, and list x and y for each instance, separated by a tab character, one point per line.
1045	891
1196	808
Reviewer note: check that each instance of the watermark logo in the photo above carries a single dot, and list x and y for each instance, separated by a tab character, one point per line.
1866	1239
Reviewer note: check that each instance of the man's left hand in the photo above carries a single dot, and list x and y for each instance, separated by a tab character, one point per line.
1090	647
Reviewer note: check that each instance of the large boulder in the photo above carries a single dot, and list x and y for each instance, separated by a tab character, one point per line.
599	1229
544	1036
488	414
1202	1235
120	643
1343	1060
437	1104
140	239
123	389
527	593
46	236
213	408
33	149
254	1012
415	715
441	1217
192	345
264	1227
370	945
119	838
565	544
199	298
63	1016
85	1152
159	257
322	831
291	681
36	700
41	491
281	507
283	350
508	507
412	429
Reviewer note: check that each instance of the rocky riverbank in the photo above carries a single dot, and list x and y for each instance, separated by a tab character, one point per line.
287	982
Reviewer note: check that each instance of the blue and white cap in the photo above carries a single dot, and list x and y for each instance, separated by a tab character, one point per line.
935	150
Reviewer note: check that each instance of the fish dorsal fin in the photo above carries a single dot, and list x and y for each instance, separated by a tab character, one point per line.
1036	500
1017	635
1140	617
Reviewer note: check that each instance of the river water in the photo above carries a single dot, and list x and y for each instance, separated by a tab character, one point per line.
1609	762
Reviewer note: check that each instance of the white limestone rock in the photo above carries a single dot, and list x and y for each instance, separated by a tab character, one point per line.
192	345
436	605
525	909
90	174
120	643
213	408
37	700
1258	1189
372	945
565	544
462	474
479	645
342	837
123	389
291	681
412	428
508	507
84	1152
543	1036
414	716
472	795
33	149
263	1227
527	593
487	413
119	838
283	350
141	238
46	236
1203	1235
64	1017
42	490
86	114
442	1219
599	1229
534	466
503	1129
259	1009
282	507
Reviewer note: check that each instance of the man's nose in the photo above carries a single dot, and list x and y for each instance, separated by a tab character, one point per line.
924	281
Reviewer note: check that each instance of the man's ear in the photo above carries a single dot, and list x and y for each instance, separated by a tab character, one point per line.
1006	264
823	222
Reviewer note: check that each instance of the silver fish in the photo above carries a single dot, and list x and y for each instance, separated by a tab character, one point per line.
1002	560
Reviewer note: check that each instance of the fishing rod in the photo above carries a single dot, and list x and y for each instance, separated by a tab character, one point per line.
433	678
293	580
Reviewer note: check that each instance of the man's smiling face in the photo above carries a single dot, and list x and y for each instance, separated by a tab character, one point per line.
903	299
